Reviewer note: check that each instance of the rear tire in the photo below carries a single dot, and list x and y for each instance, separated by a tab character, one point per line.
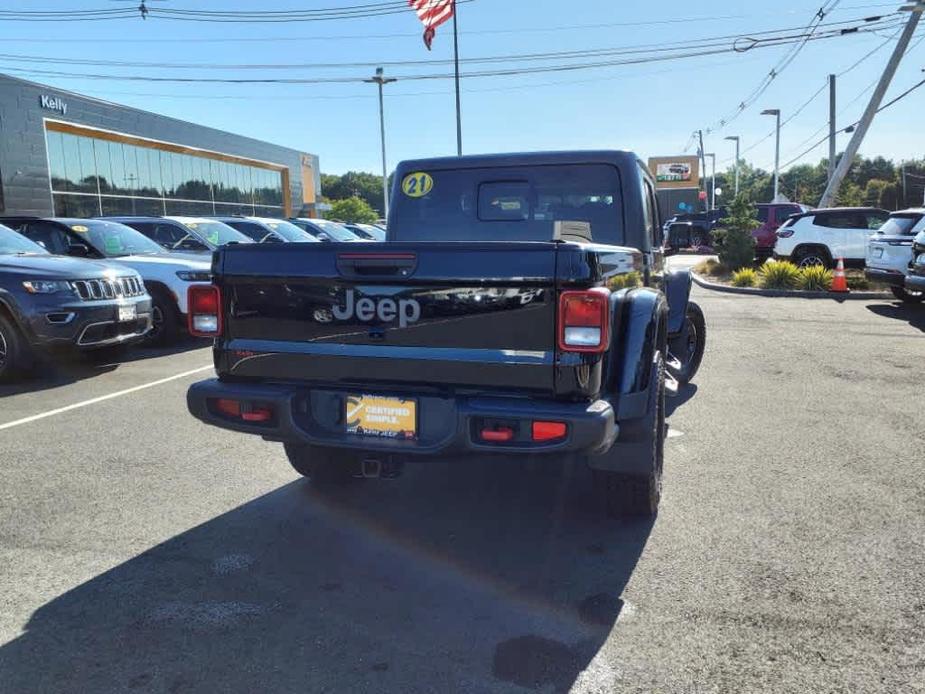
628	494
325	467
15	356
688	347
908	296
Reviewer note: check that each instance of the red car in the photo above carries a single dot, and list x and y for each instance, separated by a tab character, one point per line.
772	215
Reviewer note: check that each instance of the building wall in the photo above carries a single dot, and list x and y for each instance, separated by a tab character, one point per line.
23	157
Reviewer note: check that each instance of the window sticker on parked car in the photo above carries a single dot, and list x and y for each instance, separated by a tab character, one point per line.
193	225
80	228
212	237
417	184
112	245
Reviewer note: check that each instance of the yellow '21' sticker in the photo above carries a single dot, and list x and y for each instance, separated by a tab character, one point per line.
417	185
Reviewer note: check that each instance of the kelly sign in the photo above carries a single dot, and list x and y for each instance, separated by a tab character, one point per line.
53	103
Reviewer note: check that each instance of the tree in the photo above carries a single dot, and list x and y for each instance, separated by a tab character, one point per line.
352	209
354	184
734	243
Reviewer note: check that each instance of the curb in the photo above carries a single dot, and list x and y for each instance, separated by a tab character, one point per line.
793	294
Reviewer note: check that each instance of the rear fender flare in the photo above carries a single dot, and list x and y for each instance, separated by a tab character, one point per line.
677	286
640	319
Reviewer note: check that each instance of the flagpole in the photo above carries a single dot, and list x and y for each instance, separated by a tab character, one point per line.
456	60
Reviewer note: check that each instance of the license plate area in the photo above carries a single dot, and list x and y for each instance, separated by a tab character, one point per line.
381	416
127	313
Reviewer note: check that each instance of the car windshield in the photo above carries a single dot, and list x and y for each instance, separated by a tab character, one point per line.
901	225
216	233
113	239
289	231
335	230
12	243
518	203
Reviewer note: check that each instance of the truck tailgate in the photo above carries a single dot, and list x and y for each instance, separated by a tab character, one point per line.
439	315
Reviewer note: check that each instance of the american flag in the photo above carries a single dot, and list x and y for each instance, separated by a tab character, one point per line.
432	14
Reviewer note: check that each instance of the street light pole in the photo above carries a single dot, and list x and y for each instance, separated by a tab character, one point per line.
736	139
712	156
775	112
381	80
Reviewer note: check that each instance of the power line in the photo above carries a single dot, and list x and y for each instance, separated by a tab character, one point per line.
570	67
816	95
475	32
853	125
779	67
640	49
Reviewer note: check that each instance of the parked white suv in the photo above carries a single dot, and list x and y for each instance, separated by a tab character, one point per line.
889	252
819	237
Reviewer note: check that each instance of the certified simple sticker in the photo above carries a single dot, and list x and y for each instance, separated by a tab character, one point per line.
417	185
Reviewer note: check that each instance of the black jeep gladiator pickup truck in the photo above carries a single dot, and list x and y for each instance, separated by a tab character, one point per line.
519	307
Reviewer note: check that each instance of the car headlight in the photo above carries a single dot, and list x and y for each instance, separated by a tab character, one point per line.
194	276
46	286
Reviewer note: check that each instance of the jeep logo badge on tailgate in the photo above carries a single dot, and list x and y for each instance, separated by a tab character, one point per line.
385	309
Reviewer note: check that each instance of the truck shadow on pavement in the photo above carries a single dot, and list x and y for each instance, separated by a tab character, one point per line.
913	314
484	579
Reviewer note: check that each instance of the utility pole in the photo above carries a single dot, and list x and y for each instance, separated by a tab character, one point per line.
381	80
703	164
832	152
847	159
737	140
776	113
905	193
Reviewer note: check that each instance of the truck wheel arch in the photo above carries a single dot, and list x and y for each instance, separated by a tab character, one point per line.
640	320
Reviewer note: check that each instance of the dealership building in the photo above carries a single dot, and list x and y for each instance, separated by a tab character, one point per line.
69	155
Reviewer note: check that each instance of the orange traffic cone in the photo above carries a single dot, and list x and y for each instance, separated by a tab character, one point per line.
839	282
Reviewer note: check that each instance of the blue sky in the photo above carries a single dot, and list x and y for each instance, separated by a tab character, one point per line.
649	108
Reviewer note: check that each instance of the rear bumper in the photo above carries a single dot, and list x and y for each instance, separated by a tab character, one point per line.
890	277
446	426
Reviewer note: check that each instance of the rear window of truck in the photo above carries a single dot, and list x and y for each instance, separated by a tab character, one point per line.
508	204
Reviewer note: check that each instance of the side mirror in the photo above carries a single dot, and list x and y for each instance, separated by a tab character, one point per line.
323	236
78	250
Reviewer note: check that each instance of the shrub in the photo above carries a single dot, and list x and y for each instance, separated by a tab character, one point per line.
815	278
627	280
780	275
858	283
711	268
746	277
734	243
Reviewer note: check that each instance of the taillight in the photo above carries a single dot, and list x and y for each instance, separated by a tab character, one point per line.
584	320
548	431
204	302
785	233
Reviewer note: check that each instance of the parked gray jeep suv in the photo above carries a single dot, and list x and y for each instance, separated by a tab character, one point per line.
50	301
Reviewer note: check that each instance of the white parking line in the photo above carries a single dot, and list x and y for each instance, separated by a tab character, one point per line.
103	398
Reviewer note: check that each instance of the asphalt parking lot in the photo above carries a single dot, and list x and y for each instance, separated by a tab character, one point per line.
143	551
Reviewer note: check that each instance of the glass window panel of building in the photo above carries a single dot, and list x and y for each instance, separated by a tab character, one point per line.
90	176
